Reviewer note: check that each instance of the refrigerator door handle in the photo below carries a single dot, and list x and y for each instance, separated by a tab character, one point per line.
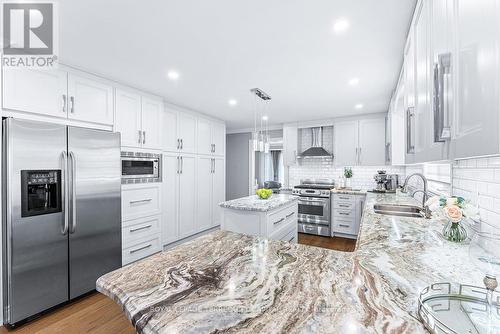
72	228
64	195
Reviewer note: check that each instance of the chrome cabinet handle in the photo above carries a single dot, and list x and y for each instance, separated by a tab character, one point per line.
341	197
64	101
140	248
342	225
72	101
178	165
293	238
436	97
64	194
410	147
359	157
362	204
140	136
72	228
141	200
445	63
182	165
344	206
178	143
132	230
143	137
289	215
278	221
344	214
182	144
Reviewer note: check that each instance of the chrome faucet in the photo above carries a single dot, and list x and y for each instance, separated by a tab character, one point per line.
425	197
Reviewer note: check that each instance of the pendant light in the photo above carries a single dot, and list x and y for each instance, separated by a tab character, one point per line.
259	138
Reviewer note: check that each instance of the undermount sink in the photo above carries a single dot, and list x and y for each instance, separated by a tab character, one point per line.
398	210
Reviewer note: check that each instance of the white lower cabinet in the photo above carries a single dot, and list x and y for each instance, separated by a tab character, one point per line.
192	187
141	221
278	224
347	211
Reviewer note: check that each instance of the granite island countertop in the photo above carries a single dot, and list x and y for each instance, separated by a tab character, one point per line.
235	283
254	203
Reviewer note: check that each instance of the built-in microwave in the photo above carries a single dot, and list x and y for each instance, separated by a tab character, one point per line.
140	167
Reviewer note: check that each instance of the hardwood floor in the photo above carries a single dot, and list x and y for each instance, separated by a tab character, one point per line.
98	314
335	243
95	313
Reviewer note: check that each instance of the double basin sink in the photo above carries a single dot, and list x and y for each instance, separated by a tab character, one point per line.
401	210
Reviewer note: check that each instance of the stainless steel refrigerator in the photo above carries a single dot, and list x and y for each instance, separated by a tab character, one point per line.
61	214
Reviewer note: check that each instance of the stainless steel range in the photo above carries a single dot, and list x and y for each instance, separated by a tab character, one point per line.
314	206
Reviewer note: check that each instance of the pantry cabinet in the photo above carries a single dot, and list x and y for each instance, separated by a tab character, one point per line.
360	142
211	184
58	93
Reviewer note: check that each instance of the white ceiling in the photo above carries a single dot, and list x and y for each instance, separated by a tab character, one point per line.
222	48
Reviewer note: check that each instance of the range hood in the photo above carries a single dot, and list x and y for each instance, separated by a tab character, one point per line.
316	150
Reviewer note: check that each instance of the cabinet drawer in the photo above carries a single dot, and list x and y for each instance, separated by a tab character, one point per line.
291	236
349	214
140	249
286	232
344	226
140	228
278	220
344	198
140	201
344	205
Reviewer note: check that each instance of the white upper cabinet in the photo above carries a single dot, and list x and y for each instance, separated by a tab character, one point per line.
139	119
219	138
89	100
422	82
152	119
346	143
58	93
476	121
205	144
211	137
397	140
290	143
371	150
40	92
128	117
169	131
186	132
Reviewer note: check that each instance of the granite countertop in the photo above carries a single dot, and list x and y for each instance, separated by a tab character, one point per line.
254	203
235	283
349	191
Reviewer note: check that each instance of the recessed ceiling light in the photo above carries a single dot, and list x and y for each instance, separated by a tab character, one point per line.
354	81
359	106
173	75
341	25
265	118
232	102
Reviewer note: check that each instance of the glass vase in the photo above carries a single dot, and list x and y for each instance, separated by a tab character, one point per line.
454	232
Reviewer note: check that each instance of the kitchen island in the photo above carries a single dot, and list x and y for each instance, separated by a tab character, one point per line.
273	218
231	282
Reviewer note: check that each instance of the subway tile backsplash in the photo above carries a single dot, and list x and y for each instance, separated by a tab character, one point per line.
479	181
318	168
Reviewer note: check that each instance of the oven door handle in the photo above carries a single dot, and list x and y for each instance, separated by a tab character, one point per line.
314	200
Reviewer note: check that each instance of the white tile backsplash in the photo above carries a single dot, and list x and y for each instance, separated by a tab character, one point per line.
318	168
479	181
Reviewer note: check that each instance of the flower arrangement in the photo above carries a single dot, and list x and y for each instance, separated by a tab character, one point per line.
454	209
